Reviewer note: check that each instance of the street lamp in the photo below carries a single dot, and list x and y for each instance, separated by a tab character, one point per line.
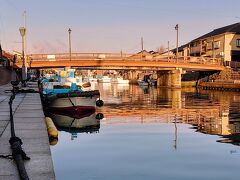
69	39
176	28
24	67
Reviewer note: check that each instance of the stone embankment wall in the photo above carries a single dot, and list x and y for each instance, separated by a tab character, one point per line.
5	75
226	80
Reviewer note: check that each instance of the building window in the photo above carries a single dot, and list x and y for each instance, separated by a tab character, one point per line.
238	42
216	44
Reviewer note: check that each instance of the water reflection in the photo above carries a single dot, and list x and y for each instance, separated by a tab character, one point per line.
215	113
154	134
79	123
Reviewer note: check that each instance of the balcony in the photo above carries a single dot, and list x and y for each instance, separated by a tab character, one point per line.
195	50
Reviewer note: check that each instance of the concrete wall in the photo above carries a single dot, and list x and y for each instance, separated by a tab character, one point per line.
227	47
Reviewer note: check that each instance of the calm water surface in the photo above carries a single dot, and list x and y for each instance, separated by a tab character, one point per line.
153	134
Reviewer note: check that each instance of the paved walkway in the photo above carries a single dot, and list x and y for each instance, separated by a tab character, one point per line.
31	128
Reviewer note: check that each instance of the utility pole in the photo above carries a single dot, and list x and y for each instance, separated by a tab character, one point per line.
25	37
168	49
176	28
175	125
69	39
142	48
142	44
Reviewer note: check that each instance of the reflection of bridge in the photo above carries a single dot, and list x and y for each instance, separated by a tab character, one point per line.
210	113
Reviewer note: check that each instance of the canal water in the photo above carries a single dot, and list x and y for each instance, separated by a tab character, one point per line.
150	133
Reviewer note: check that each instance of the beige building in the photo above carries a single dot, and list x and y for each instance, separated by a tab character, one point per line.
221	43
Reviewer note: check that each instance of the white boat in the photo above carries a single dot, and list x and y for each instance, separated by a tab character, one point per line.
105	79
72	102
65	95
119	81
92	79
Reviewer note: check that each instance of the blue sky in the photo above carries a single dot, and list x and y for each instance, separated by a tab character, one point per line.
110	25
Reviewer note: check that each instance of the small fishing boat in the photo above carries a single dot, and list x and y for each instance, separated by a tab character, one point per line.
61	95
72	99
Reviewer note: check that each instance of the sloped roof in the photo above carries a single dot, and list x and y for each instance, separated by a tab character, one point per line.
235	28
180	48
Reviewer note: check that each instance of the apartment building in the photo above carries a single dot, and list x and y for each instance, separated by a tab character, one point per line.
221	43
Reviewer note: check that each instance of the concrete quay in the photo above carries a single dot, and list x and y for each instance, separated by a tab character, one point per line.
30	127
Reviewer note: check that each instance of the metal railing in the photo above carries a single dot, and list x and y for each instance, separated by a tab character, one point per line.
122	56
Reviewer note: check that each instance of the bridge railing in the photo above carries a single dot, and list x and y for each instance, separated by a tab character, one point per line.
77	56
180	59
122	56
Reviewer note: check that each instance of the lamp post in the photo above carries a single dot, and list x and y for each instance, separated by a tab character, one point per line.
176	28
24	67
69	39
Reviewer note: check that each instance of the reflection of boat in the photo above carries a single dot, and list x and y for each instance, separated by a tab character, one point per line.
147	81
87	124
142	83
73	123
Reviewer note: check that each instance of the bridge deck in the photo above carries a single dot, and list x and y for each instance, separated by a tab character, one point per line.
120	61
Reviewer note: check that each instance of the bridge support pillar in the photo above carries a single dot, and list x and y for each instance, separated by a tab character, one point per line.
171	78
132	75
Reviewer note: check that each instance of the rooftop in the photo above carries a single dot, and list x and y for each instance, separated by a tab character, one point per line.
234	28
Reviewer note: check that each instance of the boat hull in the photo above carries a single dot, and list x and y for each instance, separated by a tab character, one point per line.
73	101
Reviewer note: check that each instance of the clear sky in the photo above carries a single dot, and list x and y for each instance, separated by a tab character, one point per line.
110	25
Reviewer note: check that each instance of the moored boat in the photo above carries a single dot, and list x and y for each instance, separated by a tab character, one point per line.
105	79
119	81
69	97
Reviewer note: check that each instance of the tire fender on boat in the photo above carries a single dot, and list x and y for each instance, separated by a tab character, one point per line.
99	103
99	116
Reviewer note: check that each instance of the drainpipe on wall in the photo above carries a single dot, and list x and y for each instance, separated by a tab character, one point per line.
213	49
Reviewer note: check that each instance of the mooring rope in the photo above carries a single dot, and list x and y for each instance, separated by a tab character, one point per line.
6	156
71	124
71	100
